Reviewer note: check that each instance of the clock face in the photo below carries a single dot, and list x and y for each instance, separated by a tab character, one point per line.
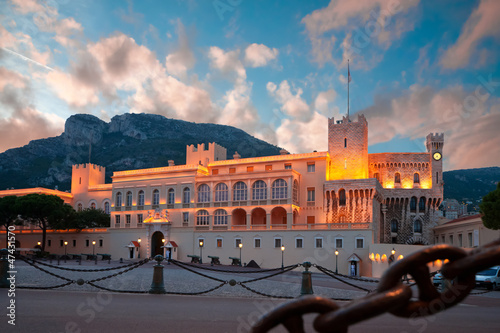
437	156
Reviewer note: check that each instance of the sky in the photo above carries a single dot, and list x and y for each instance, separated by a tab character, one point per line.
276	69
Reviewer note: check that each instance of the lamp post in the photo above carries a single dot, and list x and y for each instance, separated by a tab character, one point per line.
391	257
336	261
139	249
282	256
240	245
163	247
201	252
65	250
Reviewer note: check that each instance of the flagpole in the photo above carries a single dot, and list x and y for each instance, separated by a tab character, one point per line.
348	80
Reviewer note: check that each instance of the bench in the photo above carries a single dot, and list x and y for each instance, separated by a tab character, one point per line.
215	260
105	256
194	258
235	261
90	256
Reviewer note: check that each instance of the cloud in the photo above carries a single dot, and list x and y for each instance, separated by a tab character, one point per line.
27	6
178	62
323	101
8	77
71	90
258	55
302	137
482	23
6	38
227	62
292	105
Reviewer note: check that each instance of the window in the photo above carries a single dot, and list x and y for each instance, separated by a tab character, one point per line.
171	196
342	219
394	226
318	242
345	142
442	239
269	167
460	240
345	163
237	242
140	218
80	207
118	200
417	226
128	199
250	169
87	243
221	192
279	189
240	191
421	204
339	243
416	178
469	235
299	243
218	242
202	217
106	207
49	242
259	190
140	198
92	205
295	192
61	242
342	197
311	167
185	217
220	217
256	243
397	178
288	166
376	176
232	170
360	243
186	195
413	204
101	242
451	239
117	219
277	242
215	172
437	177
204	193
311	195
127	219
156	197
310	220
74	242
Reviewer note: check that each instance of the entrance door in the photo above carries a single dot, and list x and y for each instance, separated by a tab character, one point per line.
131	253
156	243
354	268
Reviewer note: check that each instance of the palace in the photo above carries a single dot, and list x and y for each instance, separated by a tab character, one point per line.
313	204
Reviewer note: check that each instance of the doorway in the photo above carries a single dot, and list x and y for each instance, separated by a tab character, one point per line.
156	243
353	271
131	255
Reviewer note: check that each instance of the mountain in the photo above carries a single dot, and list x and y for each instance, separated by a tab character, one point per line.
129	141
470	184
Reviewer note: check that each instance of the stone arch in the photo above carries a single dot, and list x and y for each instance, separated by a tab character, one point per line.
278	215
239	217
258	216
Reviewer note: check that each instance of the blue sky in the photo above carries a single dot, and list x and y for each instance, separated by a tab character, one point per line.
276	69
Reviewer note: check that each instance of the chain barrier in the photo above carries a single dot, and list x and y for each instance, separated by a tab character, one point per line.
333	275
140	263
198	292
347	276
177	263
391	294
227	270
24	258
292	267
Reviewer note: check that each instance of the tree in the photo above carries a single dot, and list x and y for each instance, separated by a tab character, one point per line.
8	213
44	211
490	209
91	218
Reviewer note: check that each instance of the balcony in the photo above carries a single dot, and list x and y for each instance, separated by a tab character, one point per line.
117	209
117	225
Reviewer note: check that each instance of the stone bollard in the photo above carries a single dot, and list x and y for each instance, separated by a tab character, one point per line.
157	286
307	288
4	268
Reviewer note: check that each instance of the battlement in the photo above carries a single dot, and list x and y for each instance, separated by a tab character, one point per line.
204	155
434	141
85	175
89	165
360	121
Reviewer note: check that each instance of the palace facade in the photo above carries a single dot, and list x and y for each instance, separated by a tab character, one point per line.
342	199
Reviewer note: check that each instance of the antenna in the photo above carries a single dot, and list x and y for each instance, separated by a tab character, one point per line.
348	80
90	146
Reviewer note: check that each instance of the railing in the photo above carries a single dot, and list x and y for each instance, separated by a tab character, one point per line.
239	227
127	225
278	226
258	227
140	207
220	227
117	209
117	225
331	226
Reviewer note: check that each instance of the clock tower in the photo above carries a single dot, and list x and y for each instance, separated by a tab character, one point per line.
434	143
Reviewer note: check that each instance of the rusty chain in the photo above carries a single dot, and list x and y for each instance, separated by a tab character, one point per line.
391	294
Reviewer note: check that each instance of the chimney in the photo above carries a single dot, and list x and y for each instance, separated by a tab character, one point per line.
171	163
236	155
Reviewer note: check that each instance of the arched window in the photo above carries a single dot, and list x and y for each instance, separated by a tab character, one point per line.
220	217
413	204
421	204
203	193
128	199
186	195
394	226
80	207
342	197
342	219
202	217
279	189
345	142
156	197
118	199
259	190
240	192
140	198
221	192
397	178
376	176
106	207
417	227
171	196
92	205
416	178
295	193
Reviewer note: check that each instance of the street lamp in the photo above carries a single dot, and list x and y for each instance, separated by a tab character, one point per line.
163	247
139	249
391	257
201	251
282	254
93	248
336	261
240	245
65	250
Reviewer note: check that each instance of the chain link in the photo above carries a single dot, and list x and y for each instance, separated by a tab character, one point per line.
333	275
178	263
391	294
140	263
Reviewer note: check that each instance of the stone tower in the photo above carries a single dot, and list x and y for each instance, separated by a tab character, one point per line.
348	148
85	175
434	144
